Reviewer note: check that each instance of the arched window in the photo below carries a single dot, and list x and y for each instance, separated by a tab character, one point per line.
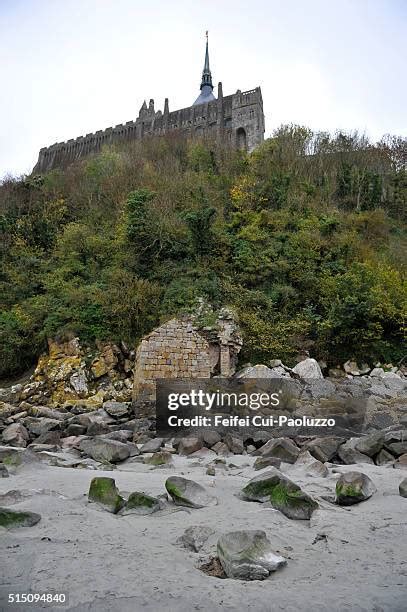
241	138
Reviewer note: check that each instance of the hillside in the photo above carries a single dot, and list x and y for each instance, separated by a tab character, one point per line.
305	239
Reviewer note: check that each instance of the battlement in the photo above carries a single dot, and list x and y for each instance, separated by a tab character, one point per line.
237	118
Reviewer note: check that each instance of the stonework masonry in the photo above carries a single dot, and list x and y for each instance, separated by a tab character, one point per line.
174	350
180	349
237	119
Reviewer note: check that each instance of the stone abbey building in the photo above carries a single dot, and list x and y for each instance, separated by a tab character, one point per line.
237	119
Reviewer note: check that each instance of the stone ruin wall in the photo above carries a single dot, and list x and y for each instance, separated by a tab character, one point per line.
237	119
174	350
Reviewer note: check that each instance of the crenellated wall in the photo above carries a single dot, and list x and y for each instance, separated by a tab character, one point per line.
237	118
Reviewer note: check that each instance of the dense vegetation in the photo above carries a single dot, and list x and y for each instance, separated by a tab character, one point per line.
304	239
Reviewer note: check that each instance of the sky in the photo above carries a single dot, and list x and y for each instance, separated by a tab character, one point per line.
70	67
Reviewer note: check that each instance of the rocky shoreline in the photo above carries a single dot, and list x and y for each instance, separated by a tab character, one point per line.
252	507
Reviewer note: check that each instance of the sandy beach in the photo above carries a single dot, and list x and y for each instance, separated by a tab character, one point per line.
352	559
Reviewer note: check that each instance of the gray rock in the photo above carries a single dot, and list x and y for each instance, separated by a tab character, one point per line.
403	488
351	367
257	371
210	438
141	504
353	487
211	470
11	519
397	448
161	458
74	429
260	437
316	468
396	442
79	383
377	373
371	444
121	435
282	493
15	435
323	449
116	409
308	368
40	425
50	437
103	491
97	428
234	444
152	446
349	455
188	493
187	446
3	471
195	537
221	449
401	463
280	448
105	450
384	457
264	462
247	555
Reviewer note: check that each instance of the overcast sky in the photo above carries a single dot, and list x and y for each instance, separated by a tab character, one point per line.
69	67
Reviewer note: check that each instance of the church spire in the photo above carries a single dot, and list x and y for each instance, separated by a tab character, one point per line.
206	73
206	94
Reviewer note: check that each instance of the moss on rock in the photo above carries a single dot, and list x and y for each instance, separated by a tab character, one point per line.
282	493
140	503
103	491
10	519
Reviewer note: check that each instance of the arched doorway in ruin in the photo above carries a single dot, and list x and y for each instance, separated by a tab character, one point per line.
241	139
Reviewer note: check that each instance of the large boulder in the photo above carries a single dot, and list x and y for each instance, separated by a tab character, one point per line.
403	488
234	444
140	503
103	491
280	448
152	446
348	453
15	435
211	437
247	555
371	444
323	449
282	493
396	442
10	519
188	493
384	457
187	446
308	368
102	449
40	425
353	487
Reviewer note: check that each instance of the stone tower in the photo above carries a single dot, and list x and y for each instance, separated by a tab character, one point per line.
237	119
